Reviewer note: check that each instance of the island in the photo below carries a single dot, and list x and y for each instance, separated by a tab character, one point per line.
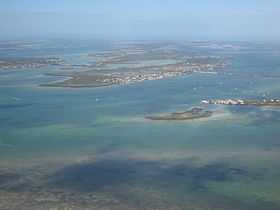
29	63
194	113
136	63
241	102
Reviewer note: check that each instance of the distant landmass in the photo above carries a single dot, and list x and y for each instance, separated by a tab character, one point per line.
137	63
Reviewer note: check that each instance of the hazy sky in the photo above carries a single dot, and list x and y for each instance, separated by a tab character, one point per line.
136	19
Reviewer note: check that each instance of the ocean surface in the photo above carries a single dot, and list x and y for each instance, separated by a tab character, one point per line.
97	140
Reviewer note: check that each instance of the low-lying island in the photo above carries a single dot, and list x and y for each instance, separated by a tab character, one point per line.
194	113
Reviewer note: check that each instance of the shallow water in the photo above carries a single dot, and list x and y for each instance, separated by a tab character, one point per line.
96	141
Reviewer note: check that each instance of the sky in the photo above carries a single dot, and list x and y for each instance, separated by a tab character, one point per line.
142	19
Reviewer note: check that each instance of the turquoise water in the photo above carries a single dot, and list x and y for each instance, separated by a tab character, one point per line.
228	161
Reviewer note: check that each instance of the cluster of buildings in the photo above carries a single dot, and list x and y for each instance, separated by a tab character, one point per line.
271	100
155	74
244	102
126	79
226	102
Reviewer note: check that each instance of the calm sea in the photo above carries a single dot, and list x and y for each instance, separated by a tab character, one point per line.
99	141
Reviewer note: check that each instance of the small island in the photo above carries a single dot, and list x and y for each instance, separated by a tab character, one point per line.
241	102
194	113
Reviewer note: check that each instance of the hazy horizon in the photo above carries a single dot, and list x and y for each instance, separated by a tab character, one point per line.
126	19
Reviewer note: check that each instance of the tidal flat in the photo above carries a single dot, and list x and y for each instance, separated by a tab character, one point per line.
131	184
92	148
